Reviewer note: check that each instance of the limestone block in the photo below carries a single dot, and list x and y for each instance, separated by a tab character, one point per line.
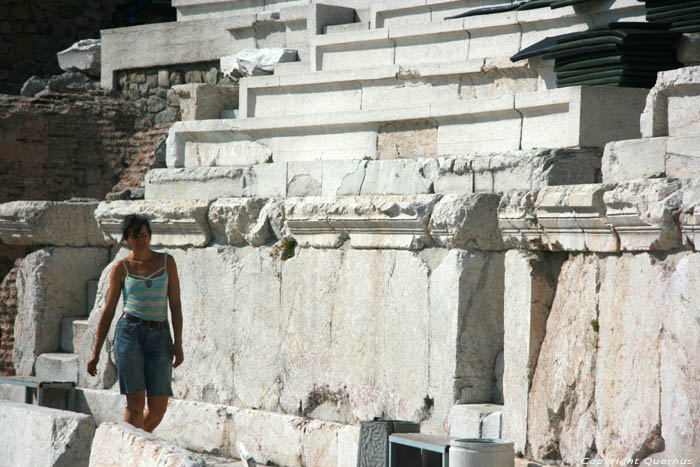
118	444
79	326
643	214
57	367
466	419
530	279
33	435
469	221
231	329
466	309
633	159
369	222
683	157
255	62
242	149
517	220
83	56
491	426
12	392
399	177
625	376
343	178
573	218
533	169
50	286
304	178
672	105
561	410
209	183
67	336
237	221
679	371
199	101
173	222
59	223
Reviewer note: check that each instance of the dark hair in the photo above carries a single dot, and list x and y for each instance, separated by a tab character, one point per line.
133	224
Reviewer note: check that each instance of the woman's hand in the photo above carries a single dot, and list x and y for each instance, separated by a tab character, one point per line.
178	355
92	365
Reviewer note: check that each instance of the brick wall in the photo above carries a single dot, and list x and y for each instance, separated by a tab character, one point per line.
8	312
61	146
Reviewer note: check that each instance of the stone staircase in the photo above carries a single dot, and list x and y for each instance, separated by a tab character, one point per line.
65	364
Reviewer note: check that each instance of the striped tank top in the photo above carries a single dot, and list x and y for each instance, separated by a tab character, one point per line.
146	297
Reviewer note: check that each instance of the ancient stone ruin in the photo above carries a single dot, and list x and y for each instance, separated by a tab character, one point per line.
380	212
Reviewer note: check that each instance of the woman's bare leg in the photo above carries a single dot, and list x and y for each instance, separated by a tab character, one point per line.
157	405
134	408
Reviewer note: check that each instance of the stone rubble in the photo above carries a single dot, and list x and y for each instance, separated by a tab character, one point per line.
256	62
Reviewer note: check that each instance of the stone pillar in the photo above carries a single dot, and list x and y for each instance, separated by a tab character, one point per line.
530	283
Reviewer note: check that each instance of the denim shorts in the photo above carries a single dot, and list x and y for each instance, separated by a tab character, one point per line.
144	358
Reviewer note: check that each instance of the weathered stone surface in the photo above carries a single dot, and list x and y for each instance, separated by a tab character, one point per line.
50	286
32	435
561	408
407	139
236	221
469	221
205	101
679	371
517	220
83	56
118	444
643	214
69	81
672	104
369	222
270	437
57	367
573	218
255	62
530	281
634	159
200	183
668	156
173	222
398	177
466	420
59	223
466	307
32	86
627	379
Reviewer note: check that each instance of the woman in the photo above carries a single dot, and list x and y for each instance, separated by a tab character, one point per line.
143	348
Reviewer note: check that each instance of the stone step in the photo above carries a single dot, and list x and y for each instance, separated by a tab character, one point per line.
57	366
208	30
670	156
487	173
476	421
297	441
558	118
384	87
71	328
415	36
349	27
291	68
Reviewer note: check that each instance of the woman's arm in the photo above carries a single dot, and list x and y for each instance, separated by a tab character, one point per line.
115	289
175	310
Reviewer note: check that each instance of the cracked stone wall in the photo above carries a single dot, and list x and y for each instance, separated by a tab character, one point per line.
337	334
616	376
